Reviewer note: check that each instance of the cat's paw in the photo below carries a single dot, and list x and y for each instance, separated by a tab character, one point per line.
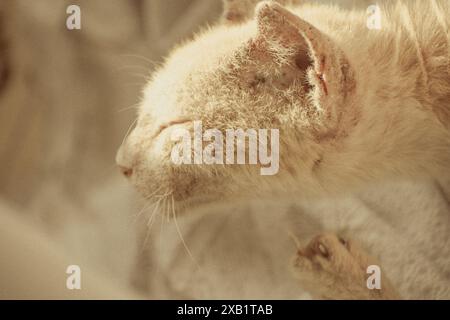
332	267
328	253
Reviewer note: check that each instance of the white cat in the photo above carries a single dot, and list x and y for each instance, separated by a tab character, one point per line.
355	108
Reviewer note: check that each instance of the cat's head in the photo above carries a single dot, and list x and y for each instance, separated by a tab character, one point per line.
276	71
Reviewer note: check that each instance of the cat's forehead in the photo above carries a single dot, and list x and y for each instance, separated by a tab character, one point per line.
207	53
209	46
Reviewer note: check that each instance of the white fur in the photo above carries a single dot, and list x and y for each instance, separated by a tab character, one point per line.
383	115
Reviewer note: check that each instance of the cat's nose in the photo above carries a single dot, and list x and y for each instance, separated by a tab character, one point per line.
124	163
127	172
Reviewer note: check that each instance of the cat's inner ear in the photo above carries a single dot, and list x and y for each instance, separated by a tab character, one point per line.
289	39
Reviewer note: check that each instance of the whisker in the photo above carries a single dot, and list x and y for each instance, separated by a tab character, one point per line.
143	58
146	206
181	236
134	84
154	191
139	76
138	214
150	223
136	67
168	210
159	244
148	67
164	195
135	105
129	131
151	220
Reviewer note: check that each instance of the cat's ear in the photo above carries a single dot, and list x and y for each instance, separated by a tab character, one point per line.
238	11
327	69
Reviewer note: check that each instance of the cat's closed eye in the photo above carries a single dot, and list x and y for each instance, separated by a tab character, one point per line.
169	124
